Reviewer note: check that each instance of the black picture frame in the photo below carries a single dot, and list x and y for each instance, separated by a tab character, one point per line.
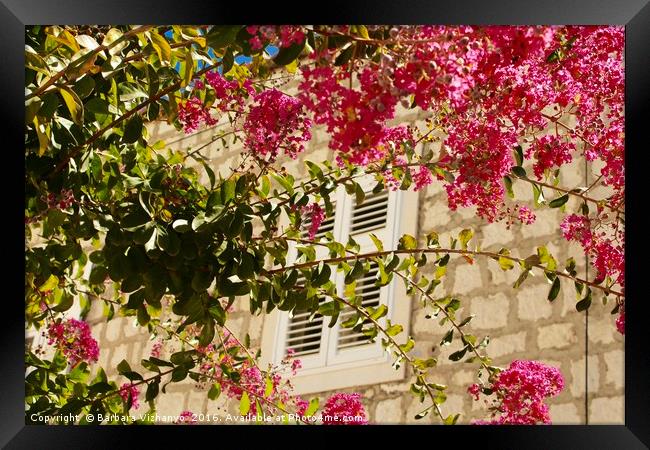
634	14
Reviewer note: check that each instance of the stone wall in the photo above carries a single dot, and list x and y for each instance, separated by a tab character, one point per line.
521	323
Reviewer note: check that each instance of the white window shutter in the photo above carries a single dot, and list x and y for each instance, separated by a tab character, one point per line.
377	214
308	335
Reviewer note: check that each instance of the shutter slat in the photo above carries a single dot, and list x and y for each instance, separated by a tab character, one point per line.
370	296
369	215
304	335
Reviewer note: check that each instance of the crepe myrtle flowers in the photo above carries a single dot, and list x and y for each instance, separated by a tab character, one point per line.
489	115
519	393
74	339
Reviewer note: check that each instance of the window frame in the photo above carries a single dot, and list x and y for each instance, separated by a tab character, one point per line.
364	365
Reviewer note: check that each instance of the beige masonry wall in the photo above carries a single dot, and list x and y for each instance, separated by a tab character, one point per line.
521	323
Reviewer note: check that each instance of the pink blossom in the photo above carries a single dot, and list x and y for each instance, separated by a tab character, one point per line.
520	392
186	418
301	405
620	321
191	114
344	409
283	36
549	152
74	339
474	389
276	122
577	228
526	215
316	216
156	350
129	390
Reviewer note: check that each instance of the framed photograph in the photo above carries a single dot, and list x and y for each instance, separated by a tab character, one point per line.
397	216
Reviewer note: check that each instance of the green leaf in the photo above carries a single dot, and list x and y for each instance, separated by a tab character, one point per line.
266	187
521	278
313	407
244	404
571	266
73	102
285	181
123	367
201	280
519	155
214	392
538	194
162	47
507	181
49	284
407	242
220	35
559	201
344	56
207	333
555	289
585	303
152	390
532	261
451	419
287	55
181	226
519	171
227	61
359	194
188	69
269	387
448	337
457	356
133	129
465	237
322	275
228	190
380	312
98	275
394	330
355	273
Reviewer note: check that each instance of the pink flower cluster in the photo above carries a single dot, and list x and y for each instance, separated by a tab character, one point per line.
276	122
251	379
62	201
355	119
607	256
74	339
130	390
492	88
520	393
316	216
344	409
283	35
156	349
620	320
481	153
192	113
186	418
229	94
526	215
549	152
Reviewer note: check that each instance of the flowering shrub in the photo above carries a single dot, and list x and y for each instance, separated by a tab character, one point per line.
174	244
74	339
520	391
